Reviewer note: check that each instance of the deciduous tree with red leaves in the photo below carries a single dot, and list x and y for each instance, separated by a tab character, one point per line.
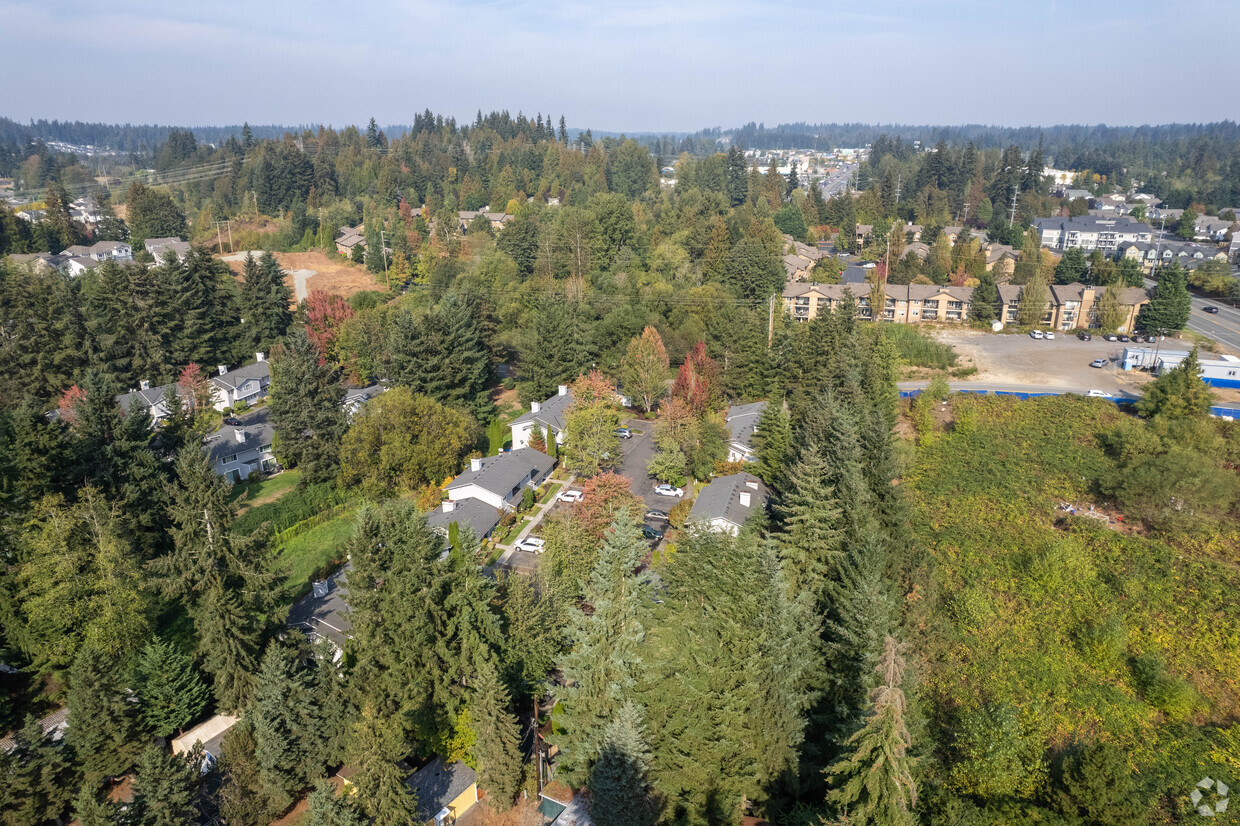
697	383
195	388
325	313
69	400
605	496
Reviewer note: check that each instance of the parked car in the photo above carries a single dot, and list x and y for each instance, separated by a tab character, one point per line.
1110	337
232	420
571	496
1210	310
1036	334
669	490
623	432
1050	335
656	515
651	534
1099	394
532	544
1084	336
1125	339
1098	363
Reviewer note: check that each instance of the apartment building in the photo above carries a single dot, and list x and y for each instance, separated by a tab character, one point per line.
1073	306
1091	232
903	303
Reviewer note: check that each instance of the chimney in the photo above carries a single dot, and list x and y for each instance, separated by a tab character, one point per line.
745	497
475	465
223	368
144	385
449	506
563	389
260	356
321	587
752	483
535	407
239	435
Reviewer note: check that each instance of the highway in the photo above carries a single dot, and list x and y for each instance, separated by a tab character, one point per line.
837	182
1223	327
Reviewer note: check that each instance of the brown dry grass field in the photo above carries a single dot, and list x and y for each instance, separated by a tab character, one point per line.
332	273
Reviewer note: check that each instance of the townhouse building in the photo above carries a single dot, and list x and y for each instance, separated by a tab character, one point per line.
1091	232
903	304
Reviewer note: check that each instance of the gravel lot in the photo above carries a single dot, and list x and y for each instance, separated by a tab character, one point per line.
1018	359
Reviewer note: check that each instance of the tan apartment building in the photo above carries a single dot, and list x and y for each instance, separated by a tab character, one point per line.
904	303
1073	306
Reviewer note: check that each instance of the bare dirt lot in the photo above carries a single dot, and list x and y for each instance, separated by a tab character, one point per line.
316	270
1020	360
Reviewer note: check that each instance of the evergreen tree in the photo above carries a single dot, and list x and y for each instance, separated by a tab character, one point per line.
264	303
105	734
1179	393
497	747
772	441
873	782
165	787
1170	305
205	315
1096	784
600	671
1072	267
985	304
286	717
90	809
240	795
38	778
306	408
170	693
328	809
378	782
810	514
620	793
229	637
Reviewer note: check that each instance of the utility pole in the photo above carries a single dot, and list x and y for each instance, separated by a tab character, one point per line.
1158	248
383	246
1012	220
897	190
230	243
965	220
219	241
320	227
770	324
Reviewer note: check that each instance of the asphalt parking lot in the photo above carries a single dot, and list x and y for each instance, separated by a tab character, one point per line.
635	455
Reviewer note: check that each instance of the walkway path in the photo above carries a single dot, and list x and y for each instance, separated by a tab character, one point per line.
512	557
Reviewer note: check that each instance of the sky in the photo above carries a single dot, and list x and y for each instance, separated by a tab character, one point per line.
621	65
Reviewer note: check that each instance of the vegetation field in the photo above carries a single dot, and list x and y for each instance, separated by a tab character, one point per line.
1041	632
303	554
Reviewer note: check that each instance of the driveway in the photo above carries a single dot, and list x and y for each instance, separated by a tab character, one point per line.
635	455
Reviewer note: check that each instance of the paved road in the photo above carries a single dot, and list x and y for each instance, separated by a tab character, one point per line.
1223	327
837	182
635	455
992	387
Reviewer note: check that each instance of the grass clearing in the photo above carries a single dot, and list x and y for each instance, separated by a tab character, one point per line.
514	531
303	554
252	494
549	492
918	350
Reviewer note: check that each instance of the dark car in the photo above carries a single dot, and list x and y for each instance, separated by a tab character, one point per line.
658	515
232	420
651	534
1124	338
1084	336
1211	310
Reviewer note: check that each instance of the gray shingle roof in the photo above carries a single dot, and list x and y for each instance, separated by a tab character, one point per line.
437	785
325	616
550	413
150	397
500	474
475	514
230	380
721	499
743	421
255	428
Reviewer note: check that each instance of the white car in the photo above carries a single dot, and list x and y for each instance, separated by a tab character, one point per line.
669	490
1050	335
1099	394
532	544
571	496
1036	334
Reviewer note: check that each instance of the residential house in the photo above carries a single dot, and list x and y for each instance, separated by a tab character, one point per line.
54	725
40	261
210	734
912	232
79	265
323	614
918	248
1207	228
742	421
953	233
550	415
34	216
160	247
475	514
797	267
864	231
1090	232
1001	261
499	480
102	251
726	504
245	384
349	238
85	211
444	791
236	451
1233	249
1073	194
154	399
355	397
856	274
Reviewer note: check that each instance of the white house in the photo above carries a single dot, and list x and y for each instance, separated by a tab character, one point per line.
549	415
154	399
726	504
743	422
499	480
79	265
159	247
245	384
236	451
211	734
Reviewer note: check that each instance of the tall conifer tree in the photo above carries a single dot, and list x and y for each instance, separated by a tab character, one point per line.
497	748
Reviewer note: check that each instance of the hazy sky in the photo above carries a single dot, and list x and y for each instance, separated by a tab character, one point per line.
635	65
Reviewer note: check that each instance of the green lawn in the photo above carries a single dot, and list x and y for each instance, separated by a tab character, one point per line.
549	492
301	555
267	490
513	531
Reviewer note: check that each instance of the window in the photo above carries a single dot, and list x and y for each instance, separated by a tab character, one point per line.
931	305
955	305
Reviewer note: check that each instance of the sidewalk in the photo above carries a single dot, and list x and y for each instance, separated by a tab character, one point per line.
536	515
